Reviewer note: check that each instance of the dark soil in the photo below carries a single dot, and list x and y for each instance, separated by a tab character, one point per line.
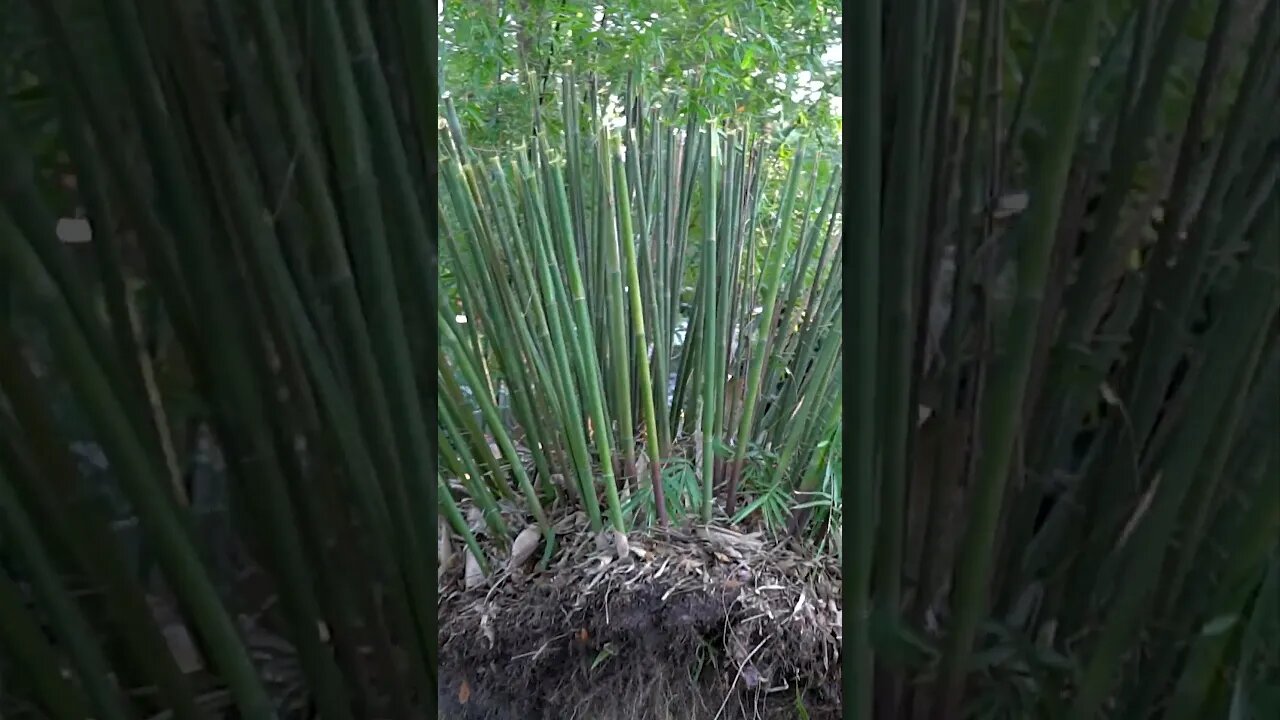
703	624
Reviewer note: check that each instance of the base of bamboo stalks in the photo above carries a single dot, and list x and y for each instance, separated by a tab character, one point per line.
698	622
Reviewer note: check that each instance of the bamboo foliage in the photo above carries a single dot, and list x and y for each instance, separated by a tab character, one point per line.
1063	221
618	289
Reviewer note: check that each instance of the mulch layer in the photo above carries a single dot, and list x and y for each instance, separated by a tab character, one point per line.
689	624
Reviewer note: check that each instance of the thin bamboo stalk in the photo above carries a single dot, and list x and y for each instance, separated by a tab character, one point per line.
1003	400
864	229
1255	296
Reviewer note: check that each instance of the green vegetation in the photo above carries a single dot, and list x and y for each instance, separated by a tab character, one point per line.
771	62
1077	275
217	425
1063	221
281	274
608	287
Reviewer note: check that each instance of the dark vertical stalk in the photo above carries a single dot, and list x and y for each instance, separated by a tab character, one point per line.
863	233
1002	400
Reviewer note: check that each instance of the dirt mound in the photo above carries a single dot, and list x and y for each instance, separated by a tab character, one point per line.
702	623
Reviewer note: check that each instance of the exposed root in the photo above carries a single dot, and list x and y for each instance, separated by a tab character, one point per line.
666	625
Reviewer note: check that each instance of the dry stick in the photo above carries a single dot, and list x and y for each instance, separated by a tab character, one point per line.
157	405
737	675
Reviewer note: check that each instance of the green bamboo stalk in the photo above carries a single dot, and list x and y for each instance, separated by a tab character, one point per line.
243	393
809	340
864	229
573	134
1173	292
470	471
70	69
155	510
1243	530
33	217
620	358
91	541
454	516
352	136
295	564
770	281
683	184
1017	117
554	298
68	621
1190	694
451	394
645	197
407	218
796	348
523	361
1204	500
419	46
1179	199
341	418
347	131
1264	611
902	234
269	150
1255	297
945	45
712	381
599	279
110	265
810	411
585	342
1169	291
357	344
652	253
469	268
1111	57
1003	400
1146	21
814	473
35	659
959	214
640	340
450	342
728	247
1103	259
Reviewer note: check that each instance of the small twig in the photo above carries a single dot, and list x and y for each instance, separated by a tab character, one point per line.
737	675
540	649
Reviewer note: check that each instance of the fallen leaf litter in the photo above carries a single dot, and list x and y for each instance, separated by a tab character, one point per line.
770	610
